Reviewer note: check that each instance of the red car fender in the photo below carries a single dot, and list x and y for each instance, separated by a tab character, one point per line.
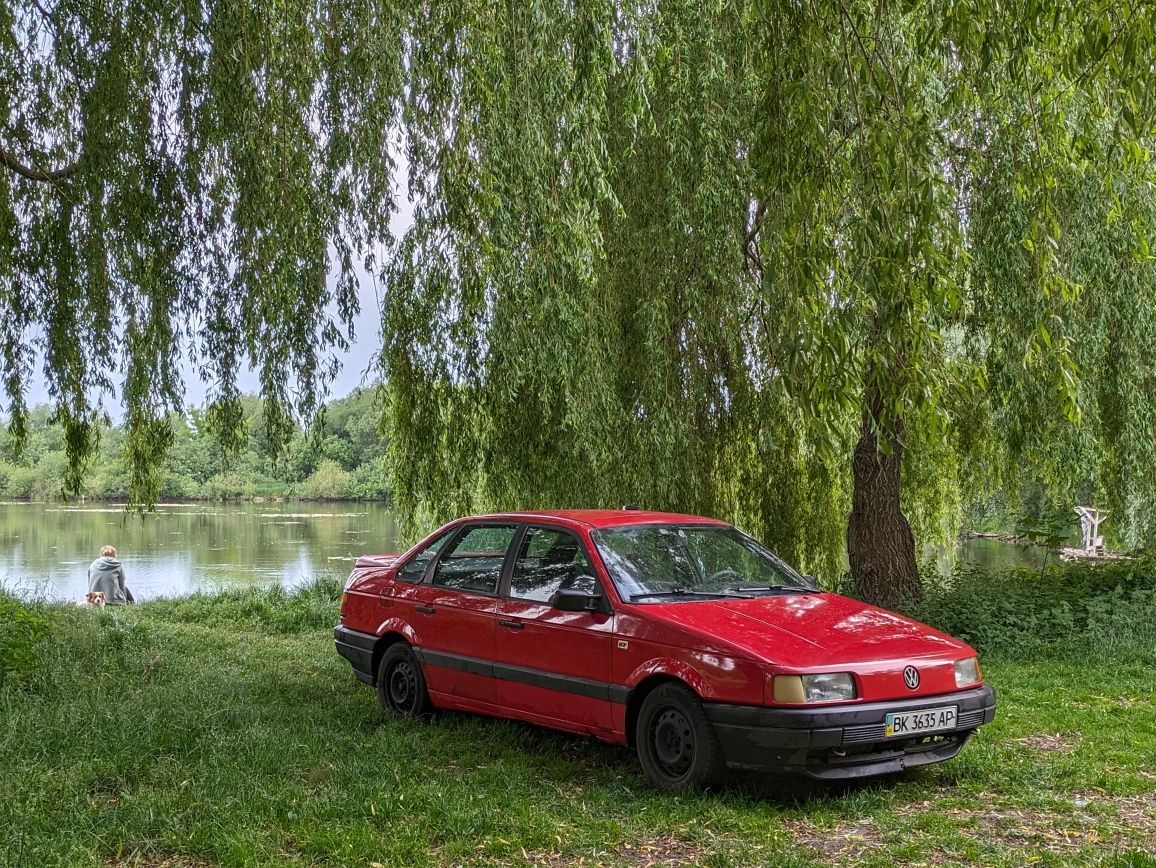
397	625
669	666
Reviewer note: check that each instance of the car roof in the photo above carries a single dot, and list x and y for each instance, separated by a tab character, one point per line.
602	518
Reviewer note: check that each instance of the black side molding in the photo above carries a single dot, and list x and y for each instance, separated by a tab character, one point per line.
524	675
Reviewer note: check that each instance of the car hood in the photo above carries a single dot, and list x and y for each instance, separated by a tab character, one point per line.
807	631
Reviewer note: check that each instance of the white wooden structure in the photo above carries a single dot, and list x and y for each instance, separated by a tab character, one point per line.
1091	541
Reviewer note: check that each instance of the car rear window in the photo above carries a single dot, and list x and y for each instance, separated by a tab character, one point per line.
415	568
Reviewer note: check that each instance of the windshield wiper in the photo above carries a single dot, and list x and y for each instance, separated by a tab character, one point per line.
690	592
799	588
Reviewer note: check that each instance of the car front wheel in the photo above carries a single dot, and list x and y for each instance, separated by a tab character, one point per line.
400	683
677	745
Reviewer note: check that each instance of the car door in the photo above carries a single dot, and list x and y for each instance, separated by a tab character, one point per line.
553	666
454	614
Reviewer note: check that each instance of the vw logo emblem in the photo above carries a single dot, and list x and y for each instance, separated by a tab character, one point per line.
911	677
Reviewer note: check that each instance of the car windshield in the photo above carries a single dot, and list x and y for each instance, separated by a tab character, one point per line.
658	563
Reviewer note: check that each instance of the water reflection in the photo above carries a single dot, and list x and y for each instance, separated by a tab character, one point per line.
993	555
45	549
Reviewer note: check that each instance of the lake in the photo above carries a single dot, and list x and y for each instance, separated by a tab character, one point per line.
45	548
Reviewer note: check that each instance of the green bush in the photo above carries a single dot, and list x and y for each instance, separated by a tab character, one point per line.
1068	609
22	629
368	482
330	481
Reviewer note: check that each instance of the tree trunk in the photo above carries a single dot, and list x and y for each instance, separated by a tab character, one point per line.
880	545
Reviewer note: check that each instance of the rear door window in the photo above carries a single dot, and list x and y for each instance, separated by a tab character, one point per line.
473	562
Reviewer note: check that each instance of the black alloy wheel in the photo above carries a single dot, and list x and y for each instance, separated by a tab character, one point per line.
400	683
677	745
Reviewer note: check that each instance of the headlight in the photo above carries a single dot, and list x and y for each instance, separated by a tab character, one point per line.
827	687
966	672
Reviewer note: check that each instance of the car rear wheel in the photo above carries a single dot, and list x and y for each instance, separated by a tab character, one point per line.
677	745
400	683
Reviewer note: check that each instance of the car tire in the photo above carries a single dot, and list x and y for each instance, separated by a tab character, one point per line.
677	745
401	686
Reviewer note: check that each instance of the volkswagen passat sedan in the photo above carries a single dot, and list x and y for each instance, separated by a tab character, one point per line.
677	635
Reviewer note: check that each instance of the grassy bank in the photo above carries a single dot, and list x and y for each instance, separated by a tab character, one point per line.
225	730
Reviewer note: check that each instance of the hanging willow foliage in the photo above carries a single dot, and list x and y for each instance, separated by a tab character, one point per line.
765	247
762	259
182	178
569	322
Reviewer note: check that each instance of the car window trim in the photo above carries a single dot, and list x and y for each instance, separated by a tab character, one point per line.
512	558
464	529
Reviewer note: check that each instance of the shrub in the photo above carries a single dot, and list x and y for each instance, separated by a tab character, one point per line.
1068	609
370	481
330	481
22	628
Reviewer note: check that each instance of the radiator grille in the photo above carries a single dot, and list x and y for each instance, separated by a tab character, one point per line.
864	734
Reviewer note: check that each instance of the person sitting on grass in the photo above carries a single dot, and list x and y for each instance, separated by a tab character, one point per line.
106	574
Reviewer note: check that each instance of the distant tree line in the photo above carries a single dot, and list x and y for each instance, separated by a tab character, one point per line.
340	460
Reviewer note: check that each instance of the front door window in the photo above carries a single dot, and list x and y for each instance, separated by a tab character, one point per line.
548	561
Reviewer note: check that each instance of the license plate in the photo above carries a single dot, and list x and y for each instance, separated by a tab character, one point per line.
910	723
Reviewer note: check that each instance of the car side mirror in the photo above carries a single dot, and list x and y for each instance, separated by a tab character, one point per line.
572	600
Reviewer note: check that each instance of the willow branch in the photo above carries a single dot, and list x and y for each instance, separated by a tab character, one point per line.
32	174
750	246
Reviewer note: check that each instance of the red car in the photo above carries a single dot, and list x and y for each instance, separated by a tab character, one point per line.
677	635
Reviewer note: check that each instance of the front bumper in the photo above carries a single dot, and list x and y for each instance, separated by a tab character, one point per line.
843	741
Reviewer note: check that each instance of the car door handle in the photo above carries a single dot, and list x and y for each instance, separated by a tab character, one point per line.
513	625
425	610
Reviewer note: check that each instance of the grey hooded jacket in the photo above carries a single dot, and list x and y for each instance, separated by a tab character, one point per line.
106	574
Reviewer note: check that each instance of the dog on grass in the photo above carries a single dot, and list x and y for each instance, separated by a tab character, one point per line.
95	599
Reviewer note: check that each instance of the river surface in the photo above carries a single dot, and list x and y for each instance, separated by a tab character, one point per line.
994	555
45	549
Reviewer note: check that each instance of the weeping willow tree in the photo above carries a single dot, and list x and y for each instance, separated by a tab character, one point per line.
178	181
1100	319
747	259
892	138
780	262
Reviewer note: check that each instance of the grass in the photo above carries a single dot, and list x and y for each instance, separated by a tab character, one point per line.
226	731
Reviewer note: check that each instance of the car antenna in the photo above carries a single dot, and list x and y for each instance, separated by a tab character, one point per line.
630	507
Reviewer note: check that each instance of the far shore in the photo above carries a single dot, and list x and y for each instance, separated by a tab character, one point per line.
184	501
